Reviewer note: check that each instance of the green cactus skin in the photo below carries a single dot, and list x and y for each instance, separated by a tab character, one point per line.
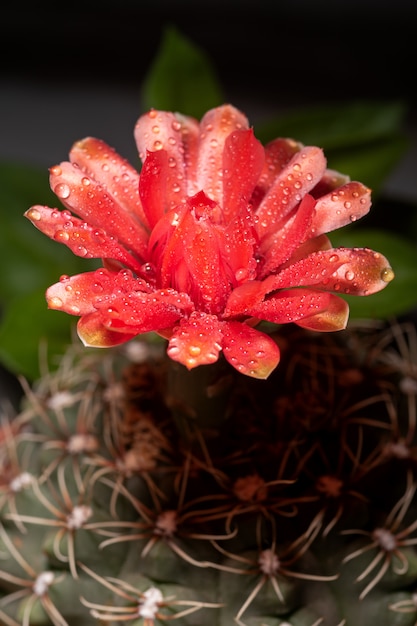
133	491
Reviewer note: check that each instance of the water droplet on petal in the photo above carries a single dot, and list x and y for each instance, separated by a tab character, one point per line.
241	274
333	258
34	214
55	303
194	351
62	190
97	286
350	275
82	251
99	235
61	235
387	275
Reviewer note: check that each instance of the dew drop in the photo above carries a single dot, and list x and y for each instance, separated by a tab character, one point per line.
147	269
194	351
241	274
82	251
34	214
333	258
387	274
62	190
350	275
61	235
99	235
55	303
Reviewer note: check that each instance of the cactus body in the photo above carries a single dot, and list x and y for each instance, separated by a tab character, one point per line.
134	491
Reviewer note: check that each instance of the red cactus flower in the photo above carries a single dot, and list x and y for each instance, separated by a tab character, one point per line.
214	235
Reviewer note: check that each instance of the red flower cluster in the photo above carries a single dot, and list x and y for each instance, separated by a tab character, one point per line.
215	234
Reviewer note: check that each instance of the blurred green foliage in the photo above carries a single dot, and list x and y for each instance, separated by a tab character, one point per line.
362	139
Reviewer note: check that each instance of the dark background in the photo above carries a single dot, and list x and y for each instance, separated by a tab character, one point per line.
74	69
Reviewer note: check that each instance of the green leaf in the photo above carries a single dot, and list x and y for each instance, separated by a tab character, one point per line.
371	163
181	78
362	139
400	296
337	126
29	330
30	263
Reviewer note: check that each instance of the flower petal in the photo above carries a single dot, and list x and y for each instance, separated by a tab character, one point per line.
330	180
107	167
196	341
238	247
94	335
190	258
354	271
178	136
93	203
278	153
334	317
243	159
90	291
250	351
153	187
278	247
244	298
300	175
291	305
81	238
215	127
342	206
